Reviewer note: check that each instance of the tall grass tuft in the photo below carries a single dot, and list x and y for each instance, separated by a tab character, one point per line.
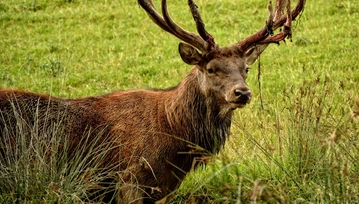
318	150
38	165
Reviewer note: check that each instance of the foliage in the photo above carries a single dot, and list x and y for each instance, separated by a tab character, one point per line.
36	164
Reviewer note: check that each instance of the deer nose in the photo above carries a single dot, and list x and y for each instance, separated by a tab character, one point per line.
242	96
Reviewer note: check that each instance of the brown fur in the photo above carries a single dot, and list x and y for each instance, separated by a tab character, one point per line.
156	131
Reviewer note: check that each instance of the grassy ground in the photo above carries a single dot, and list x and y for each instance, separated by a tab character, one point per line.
301	147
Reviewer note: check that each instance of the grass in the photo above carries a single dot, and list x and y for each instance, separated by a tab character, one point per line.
300	148
36	165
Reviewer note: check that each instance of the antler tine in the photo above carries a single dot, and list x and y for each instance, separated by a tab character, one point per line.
264	36
294	13
156	17
198	41
279	9
200	25
149	7
285	32
166	23
261	34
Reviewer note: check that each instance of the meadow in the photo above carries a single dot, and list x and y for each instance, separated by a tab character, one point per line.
296	142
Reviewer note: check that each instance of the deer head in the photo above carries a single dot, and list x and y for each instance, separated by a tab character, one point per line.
223	70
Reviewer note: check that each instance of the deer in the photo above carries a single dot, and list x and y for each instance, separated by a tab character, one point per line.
159	136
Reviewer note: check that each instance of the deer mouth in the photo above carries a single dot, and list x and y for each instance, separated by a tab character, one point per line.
238	104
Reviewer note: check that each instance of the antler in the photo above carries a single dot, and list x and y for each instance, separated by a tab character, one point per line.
265	36
204	41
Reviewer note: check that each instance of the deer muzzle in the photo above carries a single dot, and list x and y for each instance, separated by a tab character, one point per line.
239	97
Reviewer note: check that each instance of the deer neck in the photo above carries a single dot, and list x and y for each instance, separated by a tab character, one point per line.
194	115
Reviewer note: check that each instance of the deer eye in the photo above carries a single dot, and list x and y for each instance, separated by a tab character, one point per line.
210	71
247	70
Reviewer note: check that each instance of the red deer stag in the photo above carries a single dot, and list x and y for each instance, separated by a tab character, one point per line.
156	133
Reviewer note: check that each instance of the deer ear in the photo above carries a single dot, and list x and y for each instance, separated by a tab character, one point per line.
251	55
189	54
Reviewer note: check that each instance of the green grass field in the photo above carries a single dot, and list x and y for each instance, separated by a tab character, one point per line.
301	147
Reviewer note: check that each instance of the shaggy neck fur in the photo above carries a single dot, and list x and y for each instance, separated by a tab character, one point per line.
196	117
